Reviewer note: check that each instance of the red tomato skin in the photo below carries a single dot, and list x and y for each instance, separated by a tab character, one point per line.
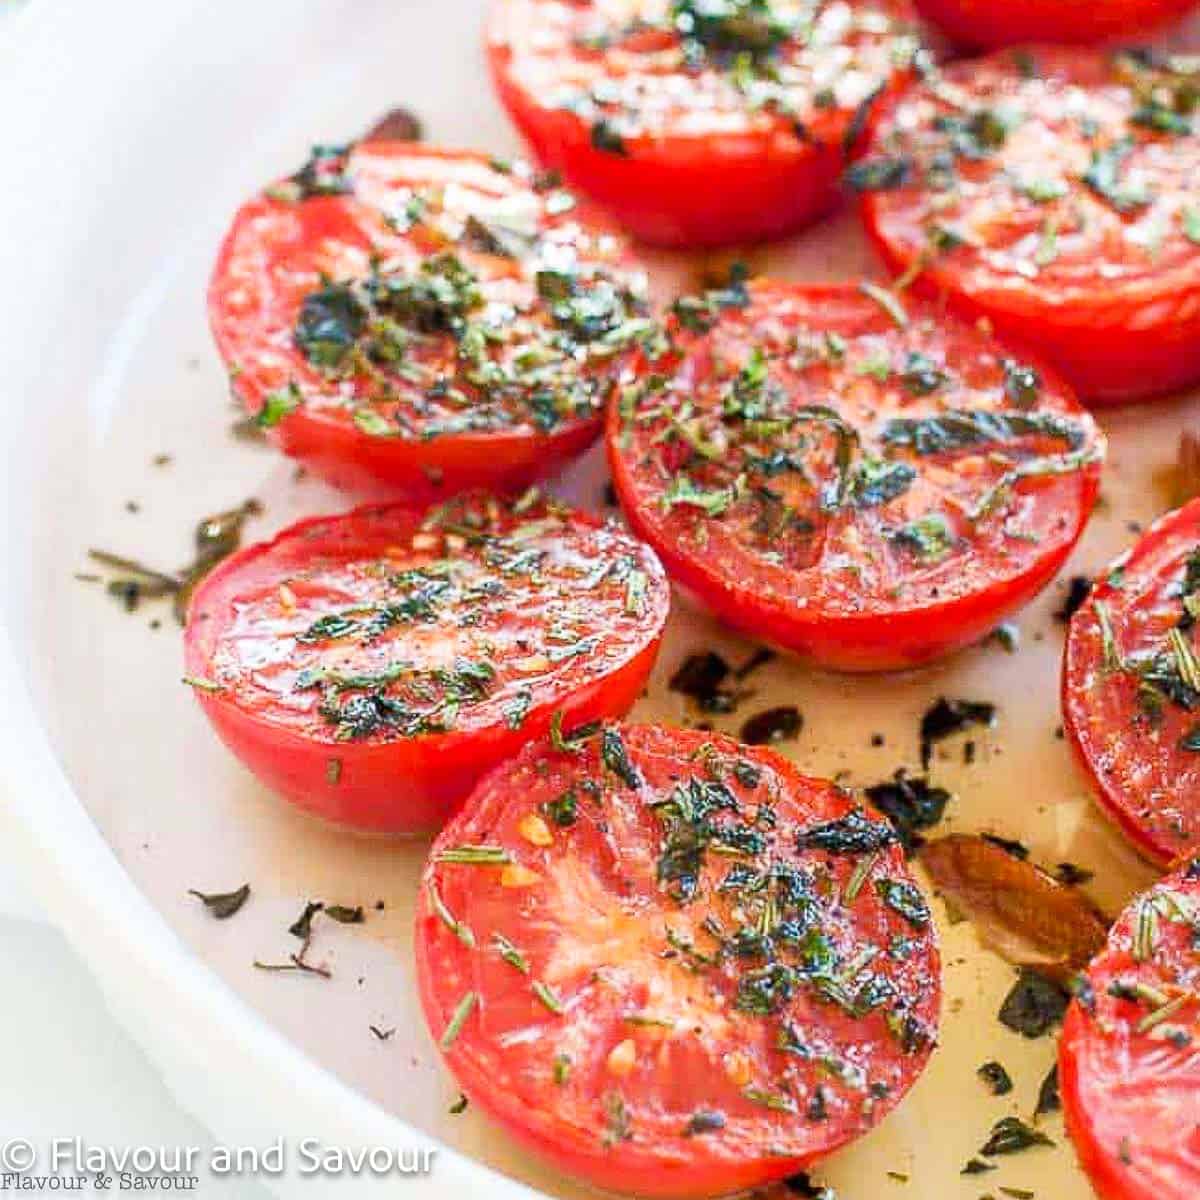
1119	804
990	24
679	192
1085	1095
675	191
866	644
1112	346
707	1167
376	468
407	786
1112	350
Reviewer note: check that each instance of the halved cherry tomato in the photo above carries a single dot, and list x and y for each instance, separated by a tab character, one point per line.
987	24
415	321
672	965
371	667
698	124
852	477
1052	191
1131	688
1129	1058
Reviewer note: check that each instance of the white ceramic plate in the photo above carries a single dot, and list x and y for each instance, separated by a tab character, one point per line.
131	131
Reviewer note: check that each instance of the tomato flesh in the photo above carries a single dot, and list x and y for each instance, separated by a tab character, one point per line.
371	667
990	24
697	124
1052	191
1129	1059
867	494
1131	692
671	964
413	321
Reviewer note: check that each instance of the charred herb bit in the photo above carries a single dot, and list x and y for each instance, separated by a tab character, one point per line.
948	717
487	856
607	137
223	905
876	481
998	1080
905	899
546	994
458	1019
458	928
563	810
704	1121
616	1119
1021	383
396	125
459	1105
345	914
517	709
1079	587
684	490
202	685
572	742
1103	176
801	1185
329	324
911	805
277	405
976	1166
698	314
725	27
772	725
1034	1005
929	537
699	677
855	833
765	990
616	758
1048	1100
1071	874
958	429
301	927
1161	118
1011	846
921	376
879	174
382	1034
322	175
1010	1135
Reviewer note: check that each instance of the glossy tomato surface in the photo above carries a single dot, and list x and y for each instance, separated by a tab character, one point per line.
1129	1058
989	24
413	321
371	667
672	965
1054	192
1131	688
868	493
698	124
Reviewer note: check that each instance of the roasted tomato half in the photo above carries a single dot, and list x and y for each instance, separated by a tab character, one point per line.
1053	191
371	667
698	123
852	477
412	321
672	965
988	24
1131	688
1129	1058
